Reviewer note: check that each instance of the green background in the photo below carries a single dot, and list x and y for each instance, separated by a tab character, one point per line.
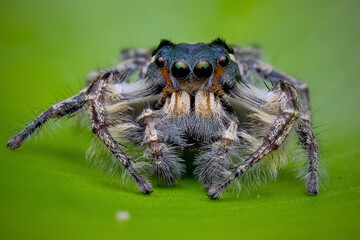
49	191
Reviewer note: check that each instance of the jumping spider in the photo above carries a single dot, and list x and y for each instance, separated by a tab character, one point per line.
201	95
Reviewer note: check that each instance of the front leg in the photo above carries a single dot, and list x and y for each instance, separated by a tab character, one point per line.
304	130
288	113
95	100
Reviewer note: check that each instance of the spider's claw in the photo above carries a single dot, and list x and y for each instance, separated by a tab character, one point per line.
215	191
15	142
144	185
312	186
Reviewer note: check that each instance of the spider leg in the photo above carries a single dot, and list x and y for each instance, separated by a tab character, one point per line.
288	114
131	60
268	72
97	115
74	103
214	163
304	130
65	107
247	52
127	67
166	164
135	53
140	53
309	143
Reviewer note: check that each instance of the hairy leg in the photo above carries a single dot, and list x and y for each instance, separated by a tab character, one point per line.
131	60
93	99
135	53
128	67
166	164
63	108
269	73
309	143
212	164
97	115
304	130
74	103
247	52
140	54
288	113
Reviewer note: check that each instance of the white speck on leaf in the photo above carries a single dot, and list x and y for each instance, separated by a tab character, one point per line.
122	216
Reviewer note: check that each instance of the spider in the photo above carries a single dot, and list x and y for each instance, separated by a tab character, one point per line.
206	96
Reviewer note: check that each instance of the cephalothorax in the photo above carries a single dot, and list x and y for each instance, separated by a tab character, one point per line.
200	95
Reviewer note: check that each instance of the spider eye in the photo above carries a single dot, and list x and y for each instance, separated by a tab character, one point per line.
180	70
223	61
160	62
203	69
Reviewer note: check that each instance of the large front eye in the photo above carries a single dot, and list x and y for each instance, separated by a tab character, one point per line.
180	70
223	61
160	62
203	69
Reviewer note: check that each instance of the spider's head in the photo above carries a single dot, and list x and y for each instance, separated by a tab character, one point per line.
192	67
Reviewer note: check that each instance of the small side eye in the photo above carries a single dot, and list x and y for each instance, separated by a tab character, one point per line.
223	61
160	62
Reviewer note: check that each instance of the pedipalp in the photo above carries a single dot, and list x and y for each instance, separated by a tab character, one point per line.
165	162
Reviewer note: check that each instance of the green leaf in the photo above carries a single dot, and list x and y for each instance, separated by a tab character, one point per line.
49	191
